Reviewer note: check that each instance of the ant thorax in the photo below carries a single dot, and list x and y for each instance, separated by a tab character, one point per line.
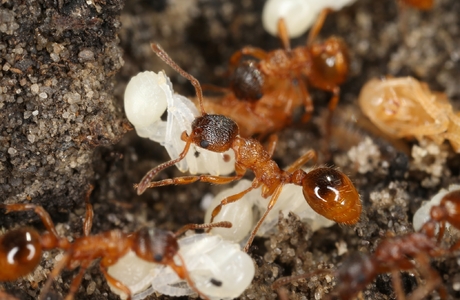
147	97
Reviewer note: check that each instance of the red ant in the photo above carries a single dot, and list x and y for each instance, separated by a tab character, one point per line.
328	191
266	89
419	4
399	253
21	249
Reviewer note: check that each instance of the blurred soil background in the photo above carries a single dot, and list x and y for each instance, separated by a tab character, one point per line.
64	66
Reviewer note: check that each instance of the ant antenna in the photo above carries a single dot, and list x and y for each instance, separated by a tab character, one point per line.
165	57
142	186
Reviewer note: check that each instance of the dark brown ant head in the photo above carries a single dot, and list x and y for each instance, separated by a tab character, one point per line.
21	253
155	245
247	81
329	63
356	272
448	210
214	132
331	193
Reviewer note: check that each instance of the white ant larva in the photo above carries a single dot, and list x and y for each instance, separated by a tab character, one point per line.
218	268
240	213
299	15
147	96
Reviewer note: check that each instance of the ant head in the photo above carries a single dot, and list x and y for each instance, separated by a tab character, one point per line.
247	81
214	132
331	194
22	252
155	245
330	63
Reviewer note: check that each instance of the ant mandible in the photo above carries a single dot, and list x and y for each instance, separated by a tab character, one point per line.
328	191
21	249
267	87
395	254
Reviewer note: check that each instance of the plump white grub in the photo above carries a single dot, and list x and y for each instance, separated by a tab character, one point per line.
422	215
241	214
135	273
147	97
299	15
218	268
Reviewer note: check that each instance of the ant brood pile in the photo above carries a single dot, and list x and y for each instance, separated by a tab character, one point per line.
328	191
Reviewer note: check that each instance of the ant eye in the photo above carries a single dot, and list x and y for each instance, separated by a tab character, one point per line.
204	144
158	257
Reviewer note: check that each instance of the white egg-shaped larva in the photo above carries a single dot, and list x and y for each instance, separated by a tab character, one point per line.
239	213
299	15
145	100
135	273
422	215
218	268
291	199
147	96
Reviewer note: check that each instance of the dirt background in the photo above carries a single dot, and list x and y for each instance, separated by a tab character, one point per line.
64	66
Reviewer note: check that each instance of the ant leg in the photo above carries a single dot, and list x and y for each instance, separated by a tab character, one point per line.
308	103
88	223
288	279
40	211
56	271
272	202
283	34
318	25
224	224
396	280
182	272
120	286
143	185
432	278
190	179
309	155
272	141
231	199
76	282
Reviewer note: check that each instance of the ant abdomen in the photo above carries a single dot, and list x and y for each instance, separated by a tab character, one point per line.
155	245
20	253
330	63
331	193
247	81
214	132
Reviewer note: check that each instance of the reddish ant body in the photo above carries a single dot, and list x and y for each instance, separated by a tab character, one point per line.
21	249
395	254
328	191
419	4
266	89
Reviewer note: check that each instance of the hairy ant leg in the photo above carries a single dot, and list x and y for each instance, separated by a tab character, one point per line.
89	215
314	31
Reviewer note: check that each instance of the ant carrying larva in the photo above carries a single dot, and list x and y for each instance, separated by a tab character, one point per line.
328	191
21	249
